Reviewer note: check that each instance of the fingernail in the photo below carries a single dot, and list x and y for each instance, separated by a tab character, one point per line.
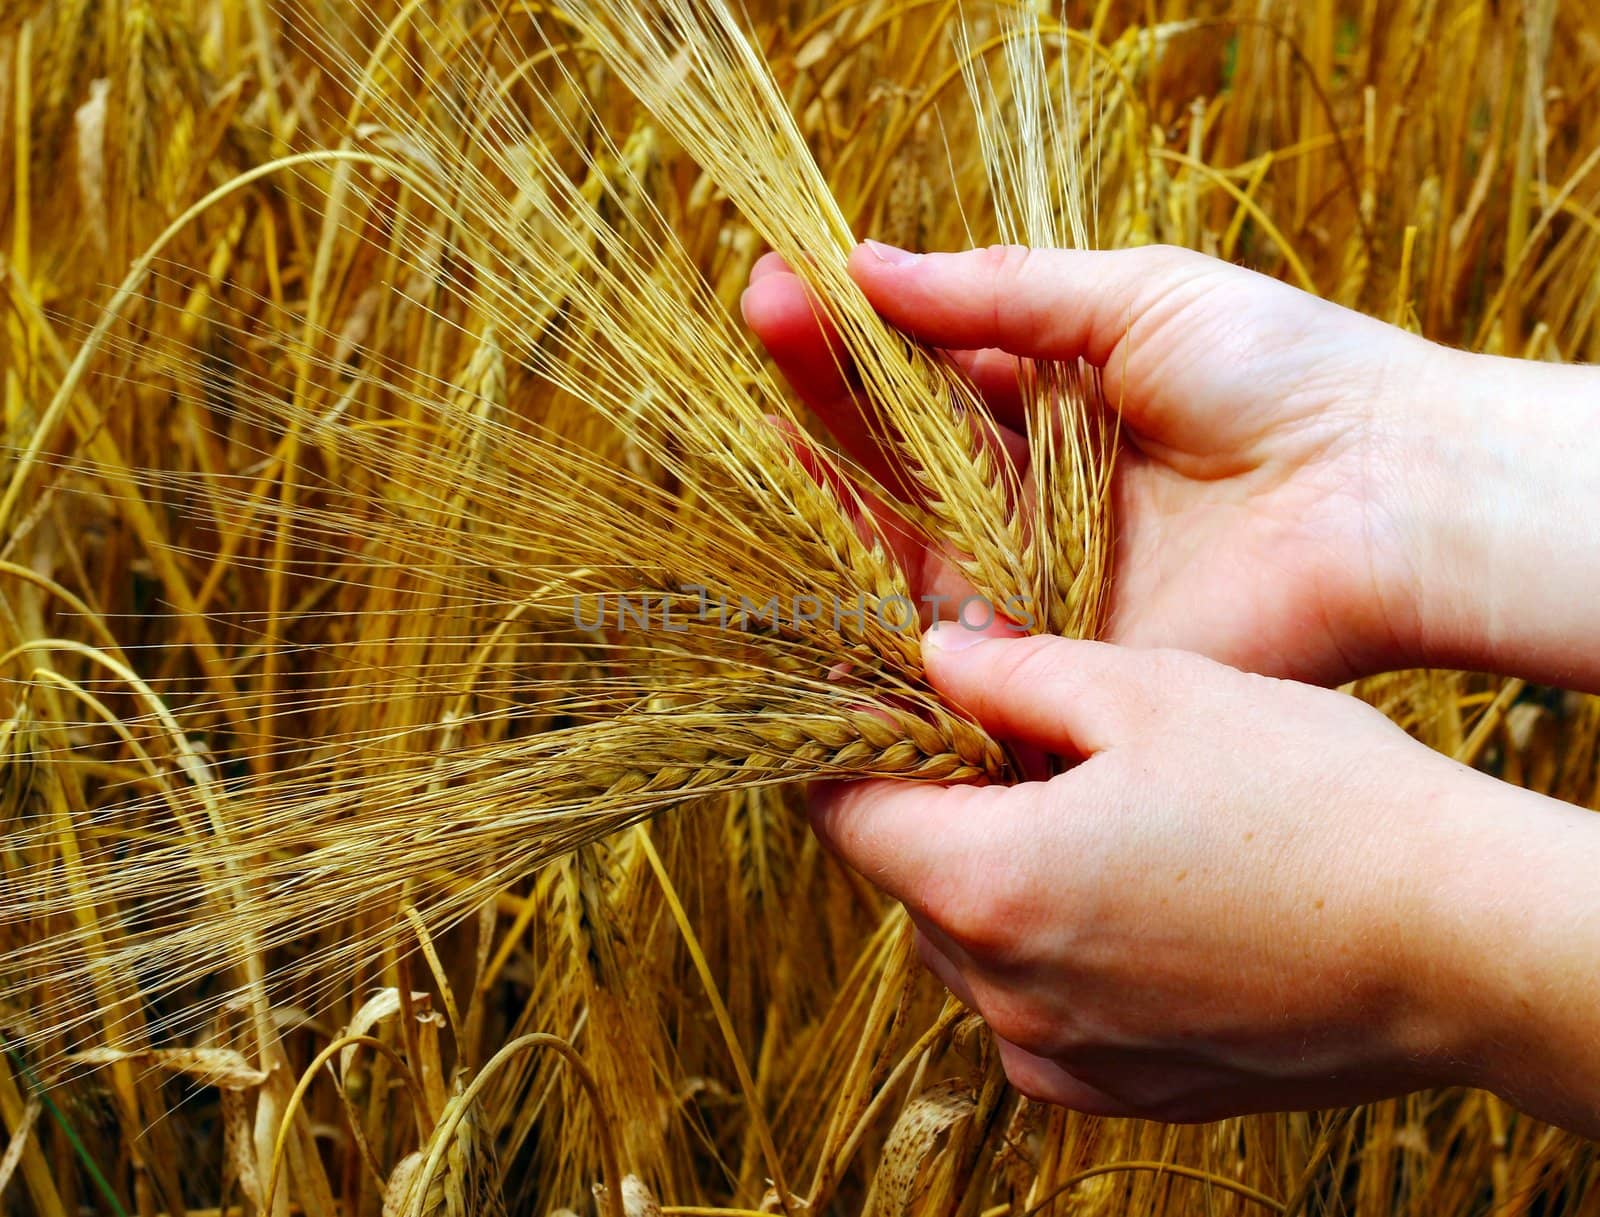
892	254
743	296
953	636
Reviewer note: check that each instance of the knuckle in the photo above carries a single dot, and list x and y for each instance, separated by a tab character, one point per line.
1170	266
1007	267
1167	257
1004	262
1174	281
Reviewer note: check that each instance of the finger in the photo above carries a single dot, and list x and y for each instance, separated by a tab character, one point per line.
769	263
873	520
804	344
934	580
1038	303
1042	1079
802	341
796	333
995	375
826	472
941	963
913	840
1065	696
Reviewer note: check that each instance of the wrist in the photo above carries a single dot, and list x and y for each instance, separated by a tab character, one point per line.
1498	462
1508	931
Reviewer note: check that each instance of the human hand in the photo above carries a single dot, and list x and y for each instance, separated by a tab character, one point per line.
1304	491
1249	895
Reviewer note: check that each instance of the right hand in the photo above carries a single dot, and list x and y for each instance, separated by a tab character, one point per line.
1179	928
1283	502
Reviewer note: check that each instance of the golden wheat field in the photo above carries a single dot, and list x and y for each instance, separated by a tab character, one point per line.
357	354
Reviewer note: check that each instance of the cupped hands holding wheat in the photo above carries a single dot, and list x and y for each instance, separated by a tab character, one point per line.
1174	927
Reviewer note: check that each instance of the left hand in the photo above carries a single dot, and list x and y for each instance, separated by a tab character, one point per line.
1244	898
1278	493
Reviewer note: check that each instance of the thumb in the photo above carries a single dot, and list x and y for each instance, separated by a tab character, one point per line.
1065	696
1035	303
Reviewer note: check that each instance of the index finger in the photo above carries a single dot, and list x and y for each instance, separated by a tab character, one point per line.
913	840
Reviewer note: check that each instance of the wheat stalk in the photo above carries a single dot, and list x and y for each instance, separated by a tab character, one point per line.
311	767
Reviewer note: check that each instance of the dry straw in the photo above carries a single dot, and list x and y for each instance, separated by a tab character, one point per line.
336	878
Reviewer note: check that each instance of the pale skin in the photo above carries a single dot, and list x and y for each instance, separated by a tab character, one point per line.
1252	894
